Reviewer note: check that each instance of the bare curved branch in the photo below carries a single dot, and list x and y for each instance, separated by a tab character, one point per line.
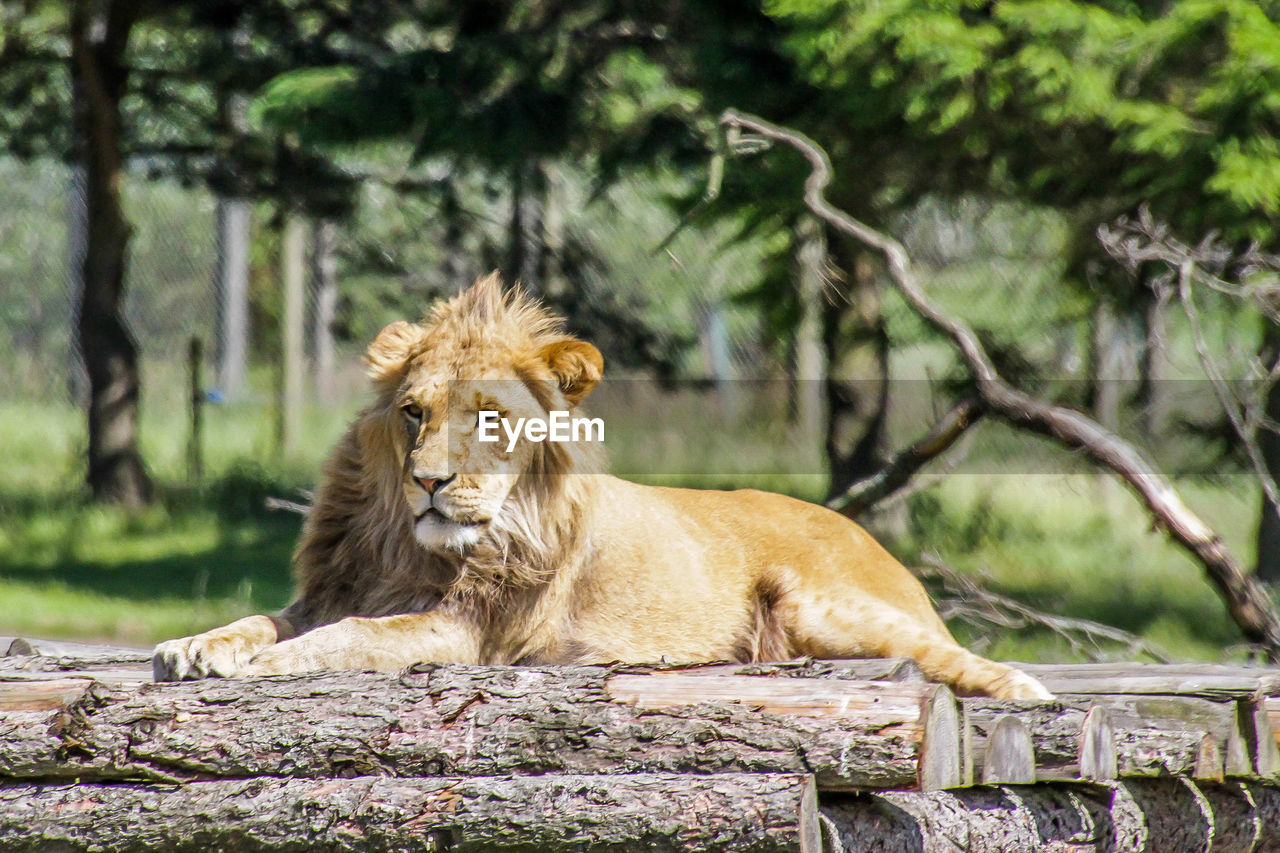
861	495
1246	599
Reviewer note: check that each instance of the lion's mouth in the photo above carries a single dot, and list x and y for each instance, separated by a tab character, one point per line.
437	515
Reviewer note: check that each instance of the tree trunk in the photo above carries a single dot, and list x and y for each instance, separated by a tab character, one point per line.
1105	358
1268	553
857	372
1154	389
231	283
528	186
810	254
293	276
1156	815
555	284
639	812
324	282
483	721
99	38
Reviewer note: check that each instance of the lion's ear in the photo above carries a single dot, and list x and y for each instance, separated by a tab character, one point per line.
576	365
390	351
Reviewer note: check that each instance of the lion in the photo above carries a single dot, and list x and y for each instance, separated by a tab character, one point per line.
425	544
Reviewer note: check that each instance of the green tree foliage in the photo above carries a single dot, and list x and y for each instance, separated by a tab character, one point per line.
1095	107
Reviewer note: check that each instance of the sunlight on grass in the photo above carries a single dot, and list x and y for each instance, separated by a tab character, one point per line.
1081	545
1072	544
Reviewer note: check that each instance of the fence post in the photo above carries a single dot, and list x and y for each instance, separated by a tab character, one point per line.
195	444
293	277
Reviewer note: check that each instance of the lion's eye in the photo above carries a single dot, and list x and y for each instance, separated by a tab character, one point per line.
412	411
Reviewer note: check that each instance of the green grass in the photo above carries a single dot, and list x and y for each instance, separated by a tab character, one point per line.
1073	544
1080	545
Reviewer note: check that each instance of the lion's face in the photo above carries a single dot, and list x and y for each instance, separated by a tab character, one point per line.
438	377
455	484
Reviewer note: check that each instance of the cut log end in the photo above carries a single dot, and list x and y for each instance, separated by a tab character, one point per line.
940	752
1010	757
1098	759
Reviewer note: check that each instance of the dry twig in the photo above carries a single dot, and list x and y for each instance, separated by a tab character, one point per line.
861	495
967	600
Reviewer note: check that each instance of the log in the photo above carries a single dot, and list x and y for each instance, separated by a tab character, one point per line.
22	647
1260	718
445	720
1156	815
853	669
1206	681
34	660
1010	756
640	812
1153	735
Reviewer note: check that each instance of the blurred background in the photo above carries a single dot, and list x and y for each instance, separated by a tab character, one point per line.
209	208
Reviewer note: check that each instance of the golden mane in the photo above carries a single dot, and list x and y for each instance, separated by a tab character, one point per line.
358	553
485	312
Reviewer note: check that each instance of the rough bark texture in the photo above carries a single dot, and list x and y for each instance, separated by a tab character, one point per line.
857	370
1157	815
1152	735
453	720
858	497
643	812
99	38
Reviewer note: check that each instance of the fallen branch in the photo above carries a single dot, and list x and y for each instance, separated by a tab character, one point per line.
970	602
861	495
1246	599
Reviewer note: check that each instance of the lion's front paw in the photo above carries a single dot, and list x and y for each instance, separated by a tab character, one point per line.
1019	685
201	656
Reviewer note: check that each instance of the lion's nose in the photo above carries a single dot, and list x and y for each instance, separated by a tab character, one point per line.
430	484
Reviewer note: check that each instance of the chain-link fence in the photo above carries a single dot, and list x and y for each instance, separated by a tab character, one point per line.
695	304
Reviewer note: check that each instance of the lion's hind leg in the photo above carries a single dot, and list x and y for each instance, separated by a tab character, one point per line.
830	628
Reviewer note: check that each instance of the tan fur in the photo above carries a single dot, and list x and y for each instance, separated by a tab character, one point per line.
425	545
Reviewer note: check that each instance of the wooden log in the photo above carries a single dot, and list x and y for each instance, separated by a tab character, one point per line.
1155	735
1259	718
1207	681
23	647
1156	815
861	669
1098	759
940	762
33	660
1010	757
640	812
466	720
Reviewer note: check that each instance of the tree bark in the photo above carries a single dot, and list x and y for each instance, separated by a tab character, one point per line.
99	39
231	283
293	276
528	187
639	812
809	354
862	495
1156	815
1154	390
1105	357
324	283
456	720
857	373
